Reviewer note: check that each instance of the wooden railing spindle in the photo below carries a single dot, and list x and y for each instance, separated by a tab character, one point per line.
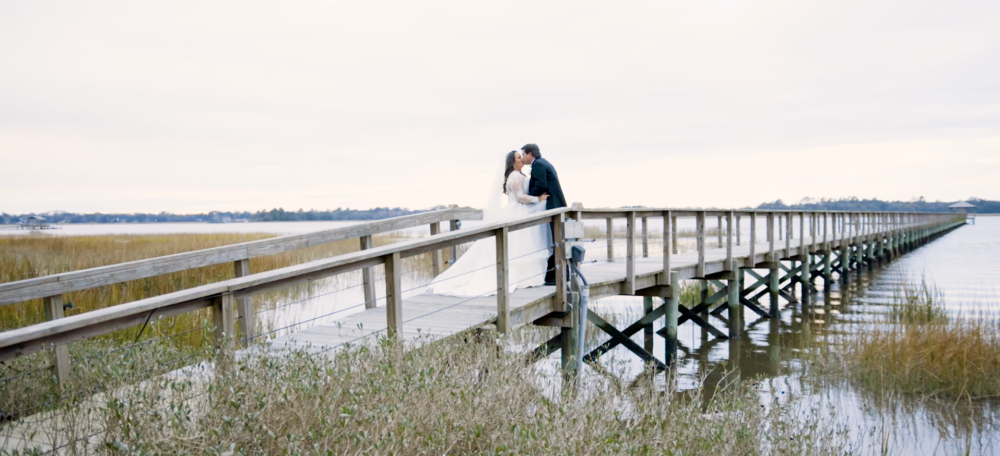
53	306
394	295
503	297
367	278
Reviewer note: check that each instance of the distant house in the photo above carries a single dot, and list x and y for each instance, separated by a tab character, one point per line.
965	207
34	222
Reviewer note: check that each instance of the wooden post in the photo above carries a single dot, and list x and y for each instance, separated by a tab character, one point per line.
753	241
788	235
802	234
664	279
647	331
700	228
570	345
559	241
670	316
773	287
368	279
630	254
673	234
735	324
53	306
719	231
244	306
435	255
771	257
394	296
503	298
645	237
826	245
703	284
737	229
453	226
729	241
781	224
611	240
224	317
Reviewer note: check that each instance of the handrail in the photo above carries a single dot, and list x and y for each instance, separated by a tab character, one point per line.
853	228
55	284
34	338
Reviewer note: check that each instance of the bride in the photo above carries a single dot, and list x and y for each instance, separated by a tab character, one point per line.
475	274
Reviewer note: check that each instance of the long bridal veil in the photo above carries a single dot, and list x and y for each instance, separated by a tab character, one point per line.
474	274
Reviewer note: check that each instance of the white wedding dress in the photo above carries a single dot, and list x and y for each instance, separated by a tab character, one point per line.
475	273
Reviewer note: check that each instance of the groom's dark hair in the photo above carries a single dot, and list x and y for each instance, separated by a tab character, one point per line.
533	150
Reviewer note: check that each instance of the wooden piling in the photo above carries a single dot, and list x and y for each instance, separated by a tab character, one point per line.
647	330
670	317
735	325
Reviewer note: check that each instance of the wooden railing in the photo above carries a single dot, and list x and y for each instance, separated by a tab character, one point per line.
838	229
227	298
223	296
51	288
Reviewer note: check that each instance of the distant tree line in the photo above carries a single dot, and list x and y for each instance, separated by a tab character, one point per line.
855	204
273	215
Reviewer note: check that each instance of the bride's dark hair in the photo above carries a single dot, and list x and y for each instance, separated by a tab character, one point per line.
511	157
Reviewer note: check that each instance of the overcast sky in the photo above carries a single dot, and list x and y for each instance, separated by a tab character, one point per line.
196	106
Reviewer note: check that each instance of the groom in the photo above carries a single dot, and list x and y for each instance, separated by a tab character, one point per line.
544	180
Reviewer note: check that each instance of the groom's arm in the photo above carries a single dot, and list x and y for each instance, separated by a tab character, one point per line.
539	181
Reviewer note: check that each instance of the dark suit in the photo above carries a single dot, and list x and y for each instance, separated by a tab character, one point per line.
545	180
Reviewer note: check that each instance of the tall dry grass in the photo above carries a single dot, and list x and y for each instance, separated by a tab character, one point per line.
24	257
919	350
452	397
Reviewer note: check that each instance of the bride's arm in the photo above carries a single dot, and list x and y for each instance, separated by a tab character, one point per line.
517	186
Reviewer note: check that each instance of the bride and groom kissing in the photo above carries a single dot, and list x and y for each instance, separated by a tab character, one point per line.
529	250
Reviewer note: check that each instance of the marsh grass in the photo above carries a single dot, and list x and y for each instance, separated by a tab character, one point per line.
921	351
25	257
451	397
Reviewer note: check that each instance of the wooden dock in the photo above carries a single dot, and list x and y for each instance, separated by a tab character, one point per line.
779	257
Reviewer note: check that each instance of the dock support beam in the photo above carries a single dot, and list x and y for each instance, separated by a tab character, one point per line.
670	316
647	331
735	323
774	288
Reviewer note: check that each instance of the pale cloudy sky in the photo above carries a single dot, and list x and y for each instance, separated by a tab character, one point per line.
242	105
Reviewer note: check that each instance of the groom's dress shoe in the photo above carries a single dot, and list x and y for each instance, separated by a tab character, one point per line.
549	284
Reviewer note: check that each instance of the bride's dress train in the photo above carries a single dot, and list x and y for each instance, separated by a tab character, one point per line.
475	273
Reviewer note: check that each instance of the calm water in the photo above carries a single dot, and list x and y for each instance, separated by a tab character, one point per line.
961	266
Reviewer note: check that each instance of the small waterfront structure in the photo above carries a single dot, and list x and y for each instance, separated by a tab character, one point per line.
34	222
967	208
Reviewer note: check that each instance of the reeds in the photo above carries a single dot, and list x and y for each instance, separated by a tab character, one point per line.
452	397
922	351
24	257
